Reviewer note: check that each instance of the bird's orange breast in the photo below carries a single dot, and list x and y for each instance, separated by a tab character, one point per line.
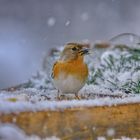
75	68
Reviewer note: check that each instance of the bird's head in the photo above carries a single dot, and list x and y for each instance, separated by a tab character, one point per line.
74	51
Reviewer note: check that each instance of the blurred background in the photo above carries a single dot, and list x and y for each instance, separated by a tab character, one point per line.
29	28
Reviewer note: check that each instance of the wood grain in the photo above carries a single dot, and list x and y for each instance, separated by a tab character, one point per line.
80	123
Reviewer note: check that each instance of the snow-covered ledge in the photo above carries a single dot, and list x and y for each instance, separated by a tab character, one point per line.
34	100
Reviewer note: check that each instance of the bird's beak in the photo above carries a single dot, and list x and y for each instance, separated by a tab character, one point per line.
84	51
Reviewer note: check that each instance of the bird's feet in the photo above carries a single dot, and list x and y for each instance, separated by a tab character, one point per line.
67	97
77	96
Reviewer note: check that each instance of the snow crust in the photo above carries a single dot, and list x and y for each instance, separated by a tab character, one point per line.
33	100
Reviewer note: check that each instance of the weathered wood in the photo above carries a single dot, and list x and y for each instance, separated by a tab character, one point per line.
80	123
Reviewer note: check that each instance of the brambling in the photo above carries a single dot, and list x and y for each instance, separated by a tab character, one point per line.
70	72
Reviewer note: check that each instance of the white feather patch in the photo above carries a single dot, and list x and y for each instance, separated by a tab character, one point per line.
68	84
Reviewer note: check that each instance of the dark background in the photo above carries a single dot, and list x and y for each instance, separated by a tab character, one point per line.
28	28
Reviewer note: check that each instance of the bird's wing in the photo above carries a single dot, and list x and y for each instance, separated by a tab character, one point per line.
52	75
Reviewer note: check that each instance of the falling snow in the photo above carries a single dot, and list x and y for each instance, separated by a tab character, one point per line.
51	21
67	23
84	16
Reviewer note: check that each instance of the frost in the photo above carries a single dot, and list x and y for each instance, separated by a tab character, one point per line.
117	70
47	100
51	21
124	77
136	76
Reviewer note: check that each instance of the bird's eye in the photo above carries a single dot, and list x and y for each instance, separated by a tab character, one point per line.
74	48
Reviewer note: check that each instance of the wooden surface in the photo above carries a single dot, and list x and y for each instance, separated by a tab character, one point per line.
80	123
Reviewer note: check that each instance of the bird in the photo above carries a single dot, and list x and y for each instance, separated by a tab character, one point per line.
70	72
